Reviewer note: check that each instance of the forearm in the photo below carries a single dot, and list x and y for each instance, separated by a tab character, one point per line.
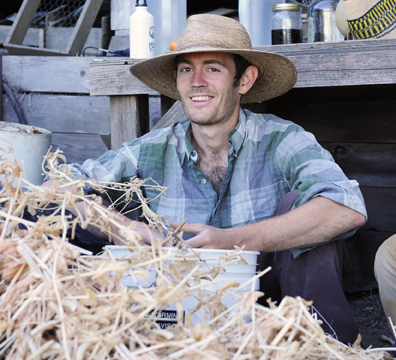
118	228
316	222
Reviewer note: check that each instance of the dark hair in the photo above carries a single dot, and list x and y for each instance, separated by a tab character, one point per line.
241	64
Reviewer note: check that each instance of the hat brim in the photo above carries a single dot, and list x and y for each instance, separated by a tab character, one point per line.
276	73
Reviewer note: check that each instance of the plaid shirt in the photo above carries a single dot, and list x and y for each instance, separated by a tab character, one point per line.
267	158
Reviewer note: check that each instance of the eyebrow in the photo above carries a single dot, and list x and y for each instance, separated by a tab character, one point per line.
206	62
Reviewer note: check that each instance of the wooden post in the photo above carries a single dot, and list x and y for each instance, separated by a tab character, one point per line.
128	115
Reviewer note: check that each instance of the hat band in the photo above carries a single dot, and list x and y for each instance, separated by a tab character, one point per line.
375	23
210	47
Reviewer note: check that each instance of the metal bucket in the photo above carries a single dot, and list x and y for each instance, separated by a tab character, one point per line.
30	144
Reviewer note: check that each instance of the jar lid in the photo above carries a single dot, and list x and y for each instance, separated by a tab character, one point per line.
286	7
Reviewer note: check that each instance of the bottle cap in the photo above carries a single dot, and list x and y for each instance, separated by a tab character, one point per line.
286	7
141	3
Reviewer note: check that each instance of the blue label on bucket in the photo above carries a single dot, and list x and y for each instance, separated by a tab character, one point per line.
165	318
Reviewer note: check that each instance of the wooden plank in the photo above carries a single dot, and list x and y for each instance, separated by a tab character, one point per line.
362	248
61	113
369	164
381	208
47	74
115	80
22	22
320	65
78	147
32	37
351	114
174	114
83	26
323	47
57	38
27	50
128	115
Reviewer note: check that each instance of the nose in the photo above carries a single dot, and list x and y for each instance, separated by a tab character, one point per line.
198	79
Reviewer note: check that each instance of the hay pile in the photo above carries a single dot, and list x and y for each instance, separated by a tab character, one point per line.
58	302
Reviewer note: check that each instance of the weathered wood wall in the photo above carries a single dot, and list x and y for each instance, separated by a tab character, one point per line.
54	94
358	126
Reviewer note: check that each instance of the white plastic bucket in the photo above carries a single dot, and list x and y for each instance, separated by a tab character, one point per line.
30	146
233	272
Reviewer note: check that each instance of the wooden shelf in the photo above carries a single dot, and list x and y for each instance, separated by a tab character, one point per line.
347	63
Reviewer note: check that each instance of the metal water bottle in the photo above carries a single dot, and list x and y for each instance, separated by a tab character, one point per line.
141	32
322	24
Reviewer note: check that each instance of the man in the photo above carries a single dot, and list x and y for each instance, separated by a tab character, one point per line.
228	171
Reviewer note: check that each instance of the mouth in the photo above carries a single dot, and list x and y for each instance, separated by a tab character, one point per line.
201	98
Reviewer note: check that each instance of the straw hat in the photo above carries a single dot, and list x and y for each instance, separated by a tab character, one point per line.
368	19
214	33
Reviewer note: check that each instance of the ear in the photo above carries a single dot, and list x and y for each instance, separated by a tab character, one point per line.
248	79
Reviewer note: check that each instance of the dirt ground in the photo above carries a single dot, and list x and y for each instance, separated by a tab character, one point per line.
371	320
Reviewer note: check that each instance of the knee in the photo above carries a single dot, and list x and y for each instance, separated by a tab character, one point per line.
385	260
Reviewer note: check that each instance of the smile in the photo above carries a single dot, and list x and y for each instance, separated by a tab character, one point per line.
201	98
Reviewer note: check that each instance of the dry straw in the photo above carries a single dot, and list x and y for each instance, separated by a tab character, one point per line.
58	302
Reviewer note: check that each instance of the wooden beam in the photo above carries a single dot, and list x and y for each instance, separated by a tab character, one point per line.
83	27
113	78
47	74
33	36
381	208
62	113
22	22
319	65
78	147
14	49
127	114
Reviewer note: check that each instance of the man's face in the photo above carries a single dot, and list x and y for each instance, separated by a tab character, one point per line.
205	82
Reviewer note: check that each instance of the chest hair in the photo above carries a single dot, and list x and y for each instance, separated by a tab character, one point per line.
214	167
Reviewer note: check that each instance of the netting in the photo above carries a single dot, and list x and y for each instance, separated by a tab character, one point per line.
53	26
58	13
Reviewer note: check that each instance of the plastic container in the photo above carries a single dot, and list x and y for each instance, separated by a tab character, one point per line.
141	32
29	148
255	16
322	24
286	24
240	273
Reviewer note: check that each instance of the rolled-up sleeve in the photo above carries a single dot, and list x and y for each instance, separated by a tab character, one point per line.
311	169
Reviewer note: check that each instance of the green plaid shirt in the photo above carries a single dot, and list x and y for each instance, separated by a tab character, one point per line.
267	158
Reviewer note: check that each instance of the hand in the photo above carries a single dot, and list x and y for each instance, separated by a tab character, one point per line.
207	237
146	233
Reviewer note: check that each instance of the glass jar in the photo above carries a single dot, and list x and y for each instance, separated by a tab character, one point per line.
286	24
322	21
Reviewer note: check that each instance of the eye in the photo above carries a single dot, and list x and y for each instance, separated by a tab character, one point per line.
212	69
185	69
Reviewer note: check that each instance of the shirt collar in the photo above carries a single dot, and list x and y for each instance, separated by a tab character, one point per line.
237	136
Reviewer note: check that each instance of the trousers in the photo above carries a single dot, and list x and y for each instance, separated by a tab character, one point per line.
385	273
315	275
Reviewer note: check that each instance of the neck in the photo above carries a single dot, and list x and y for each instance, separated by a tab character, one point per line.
209	139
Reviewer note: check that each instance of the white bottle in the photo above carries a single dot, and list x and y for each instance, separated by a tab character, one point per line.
141	32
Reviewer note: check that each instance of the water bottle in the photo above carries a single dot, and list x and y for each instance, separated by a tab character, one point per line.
255	16
170	20
141	32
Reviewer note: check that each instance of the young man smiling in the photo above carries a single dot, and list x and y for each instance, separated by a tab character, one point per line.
228	171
